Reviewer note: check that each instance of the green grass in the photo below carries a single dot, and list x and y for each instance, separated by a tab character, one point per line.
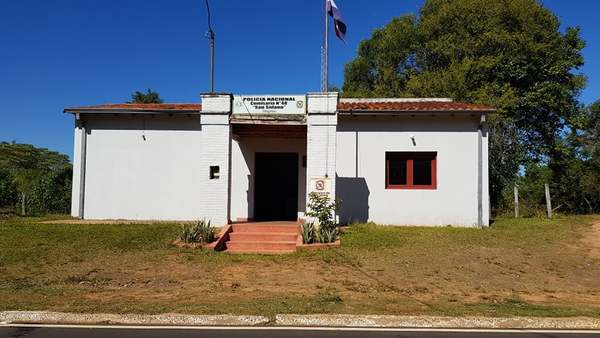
534	267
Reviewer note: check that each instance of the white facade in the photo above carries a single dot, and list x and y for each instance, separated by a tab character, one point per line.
142	168
161	164
362	144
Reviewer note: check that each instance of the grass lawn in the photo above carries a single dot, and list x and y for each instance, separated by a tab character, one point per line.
531	267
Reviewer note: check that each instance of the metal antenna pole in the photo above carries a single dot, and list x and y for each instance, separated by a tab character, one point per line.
211	36
325	80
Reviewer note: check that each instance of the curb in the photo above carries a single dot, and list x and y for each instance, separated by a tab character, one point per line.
291	320
419	322
46	317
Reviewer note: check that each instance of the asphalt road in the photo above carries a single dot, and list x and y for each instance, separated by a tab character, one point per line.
54	332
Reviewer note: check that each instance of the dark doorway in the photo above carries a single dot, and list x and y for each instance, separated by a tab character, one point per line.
276	187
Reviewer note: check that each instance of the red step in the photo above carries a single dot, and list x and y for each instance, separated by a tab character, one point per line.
241	236
268	228
260	251
260	246
263	238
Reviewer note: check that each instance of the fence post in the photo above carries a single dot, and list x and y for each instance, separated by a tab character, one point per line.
548	200
516	202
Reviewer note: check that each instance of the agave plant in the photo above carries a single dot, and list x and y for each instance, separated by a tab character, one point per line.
206	232
308	232
199	232
188	233
328	234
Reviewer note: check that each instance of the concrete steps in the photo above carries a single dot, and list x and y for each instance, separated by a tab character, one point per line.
263	238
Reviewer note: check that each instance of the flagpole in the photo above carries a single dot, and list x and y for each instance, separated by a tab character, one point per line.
325	74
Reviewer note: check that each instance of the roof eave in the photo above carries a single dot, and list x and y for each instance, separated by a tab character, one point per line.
413	112
129	111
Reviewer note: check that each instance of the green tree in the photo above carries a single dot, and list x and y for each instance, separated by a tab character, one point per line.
8	189
148	97
51	192
42	176
510	54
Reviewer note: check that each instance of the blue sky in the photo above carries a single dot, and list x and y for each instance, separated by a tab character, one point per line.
59	53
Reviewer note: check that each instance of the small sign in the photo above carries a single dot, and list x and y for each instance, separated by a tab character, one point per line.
269	104
320	185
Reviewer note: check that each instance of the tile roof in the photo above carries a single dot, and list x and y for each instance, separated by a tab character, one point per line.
344	106
410	106
140	107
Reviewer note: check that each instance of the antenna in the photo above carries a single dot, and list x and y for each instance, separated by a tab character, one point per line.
211	36
325	53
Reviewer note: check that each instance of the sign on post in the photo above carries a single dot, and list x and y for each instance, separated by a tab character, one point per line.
320	186
269	104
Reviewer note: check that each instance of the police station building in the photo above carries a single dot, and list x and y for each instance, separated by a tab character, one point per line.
236	158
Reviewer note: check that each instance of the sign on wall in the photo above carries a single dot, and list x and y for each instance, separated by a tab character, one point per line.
269	104
320	185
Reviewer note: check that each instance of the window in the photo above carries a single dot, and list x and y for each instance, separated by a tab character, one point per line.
410	170
214	172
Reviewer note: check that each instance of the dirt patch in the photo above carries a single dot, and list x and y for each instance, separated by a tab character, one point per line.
591	240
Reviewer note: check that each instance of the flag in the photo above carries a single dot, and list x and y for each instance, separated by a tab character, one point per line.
334	12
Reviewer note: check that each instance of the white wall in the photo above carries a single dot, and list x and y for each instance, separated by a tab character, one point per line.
361	146
243	152
128	177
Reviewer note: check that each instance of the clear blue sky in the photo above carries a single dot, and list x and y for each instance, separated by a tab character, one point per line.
59	53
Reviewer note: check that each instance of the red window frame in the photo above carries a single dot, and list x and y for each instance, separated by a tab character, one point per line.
410	157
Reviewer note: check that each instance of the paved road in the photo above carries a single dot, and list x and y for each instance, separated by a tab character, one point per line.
53	332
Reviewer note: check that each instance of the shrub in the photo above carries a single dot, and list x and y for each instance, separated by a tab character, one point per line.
328	235
199	232
206	231
308	233
188	233
322	209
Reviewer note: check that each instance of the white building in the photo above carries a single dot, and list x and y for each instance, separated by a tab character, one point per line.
238	158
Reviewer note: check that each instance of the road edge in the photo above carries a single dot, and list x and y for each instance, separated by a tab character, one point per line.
295	320
386	321
48	317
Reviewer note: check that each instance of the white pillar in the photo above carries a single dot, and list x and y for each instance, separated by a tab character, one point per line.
321	124
78	182
486	175
215	158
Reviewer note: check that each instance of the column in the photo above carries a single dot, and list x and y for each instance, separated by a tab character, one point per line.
321	142
215	158
78	181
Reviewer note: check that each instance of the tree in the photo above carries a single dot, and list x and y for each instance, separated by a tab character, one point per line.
149	97
8	189
41	176
509	54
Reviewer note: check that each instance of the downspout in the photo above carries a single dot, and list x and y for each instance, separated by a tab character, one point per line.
82	159
480	170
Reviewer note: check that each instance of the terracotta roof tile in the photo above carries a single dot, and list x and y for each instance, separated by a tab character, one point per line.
140	106
344	105
427	106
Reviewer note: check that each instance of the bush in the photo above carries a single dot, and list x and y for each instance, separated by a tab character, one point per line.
51	192
8	189
328	235
206	231
322	209
199	232
308	233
